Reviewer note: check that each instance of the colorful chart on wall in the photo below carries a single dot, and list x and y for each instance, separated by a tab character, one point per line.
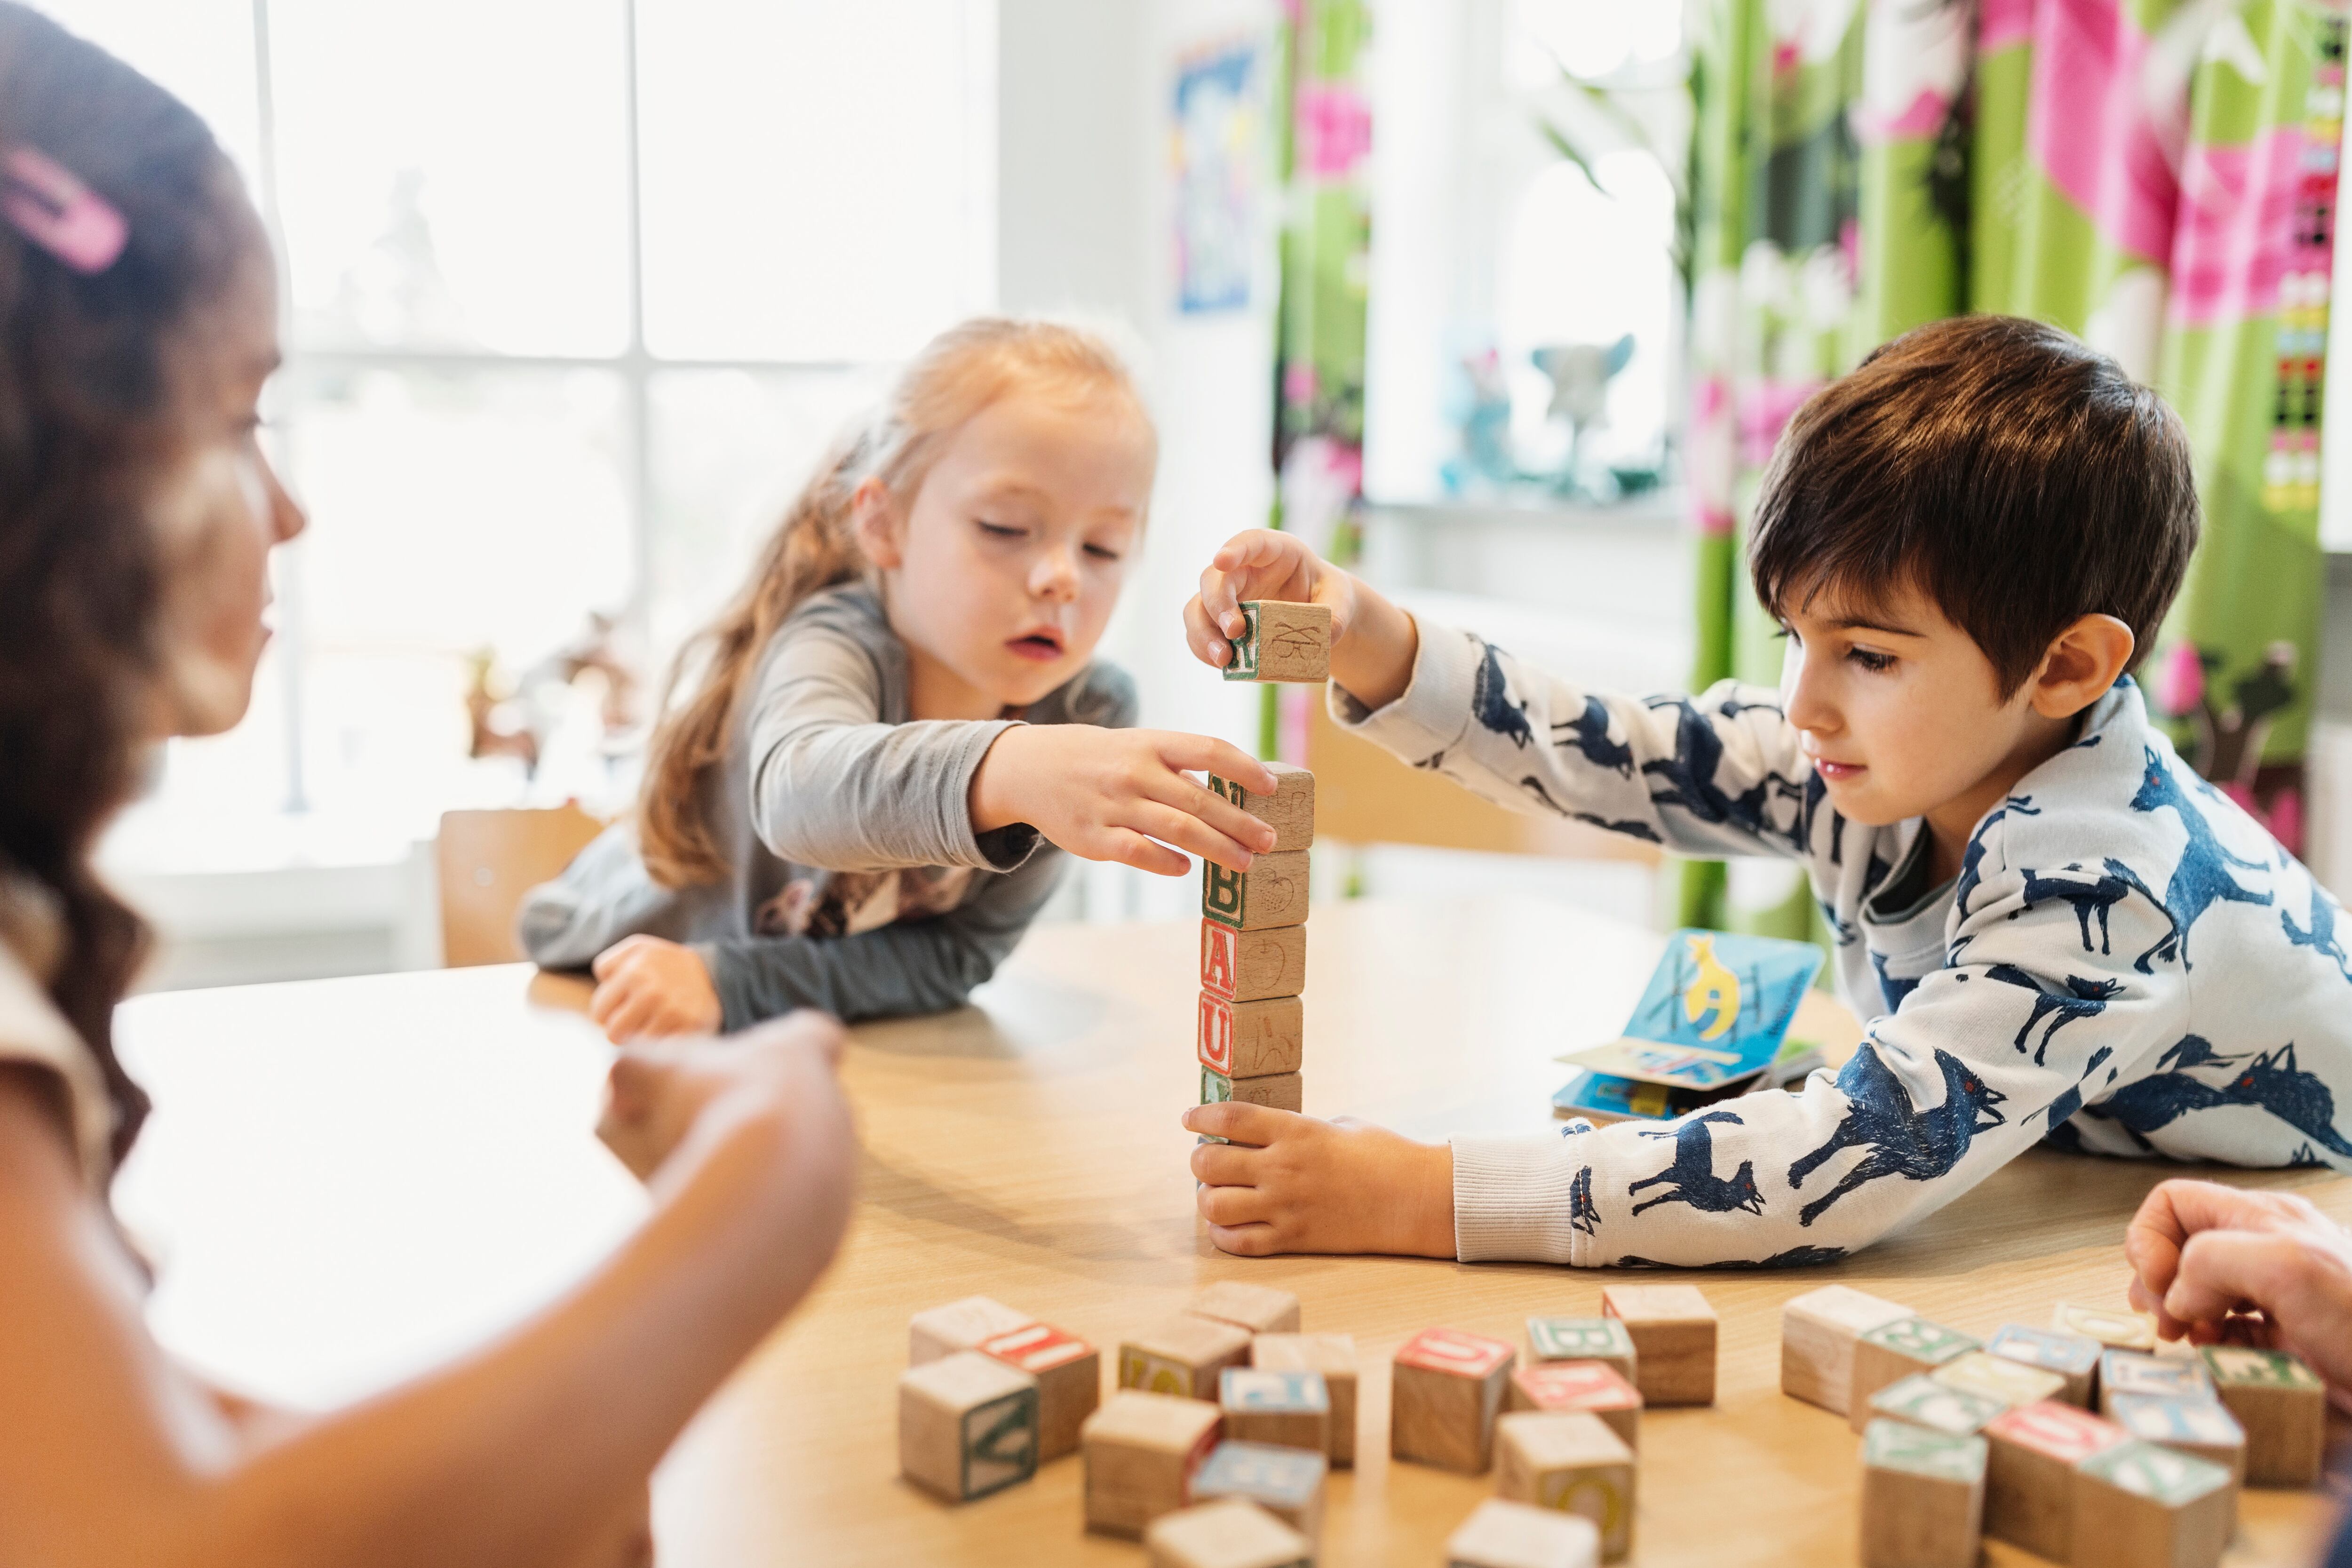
1219	151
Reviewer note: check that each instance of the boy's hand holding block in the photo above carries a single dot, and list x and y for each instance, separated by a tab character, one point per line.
2202	1428
2030	1475
1260	1309
2075	1357
2170	1377
960	1326
1332	1355
1251	966
1896	1351
1289	810
1923	1496
1571	1462
1673	1331
1183	1356
1227	1534
2282	1405
1271	893
1285	1482
1283	641
1590	1387
967	1426
1445	1390
1998	1379
1818	1333
1287	1409
2140	1506
2117	1331
1069	1380
1922	1401
1603	1339
1500	1533
1141	1451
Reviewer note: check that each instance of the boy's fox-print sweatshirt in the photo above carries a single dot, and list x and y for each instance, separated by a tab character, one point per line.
2126	963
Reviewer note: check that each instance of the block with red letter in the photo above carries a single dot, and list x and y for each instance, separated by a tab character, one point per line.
1069	1380
1446	1390
2030	1473
1251	1039
1250	966
1580	1387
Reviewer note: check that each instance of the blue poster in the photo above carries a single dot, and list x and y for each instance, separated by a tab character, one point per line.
1717	1009
1220	149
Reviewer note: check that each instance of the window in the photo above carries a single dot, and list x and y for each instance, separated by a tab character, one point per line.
576	292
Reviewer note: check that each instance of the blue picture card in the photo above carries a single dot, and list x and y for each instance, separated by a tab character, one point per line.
1717	1009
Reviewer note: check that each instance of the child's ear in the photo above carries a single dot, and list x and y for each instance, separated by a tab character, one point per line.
875	521
2084	660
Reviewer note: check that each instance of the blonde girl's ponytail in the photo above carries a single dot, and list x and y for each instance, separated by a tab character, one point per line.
957	374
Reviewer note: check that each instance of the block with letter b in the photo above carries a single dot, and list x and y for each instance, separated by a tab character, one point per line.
1603	1340
1250	966
1446	1389
967	1426
1282	641
1289	810
1272	892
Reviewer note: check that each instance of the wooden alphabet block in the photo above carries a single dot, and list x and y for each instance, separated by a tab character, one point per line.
1250	966
1069	1380
1673	1329
1921	1401
2030	1473
1584	1339
1278	1090
1181	1355
2282	1405
1445	1390
2170	1377
1287	1482
1141	1452
1251	1039
2202	1428
967	1426
1894	1350
1500	1533
1287	1409
2117	1331
1818	1333
1283	641
2000	1379
1333	1355
1289	810
960	1326
1272	892
1591	1387
1574	1463
1923	1497
1230	1533
2140	1506
1260	1309
2075	1357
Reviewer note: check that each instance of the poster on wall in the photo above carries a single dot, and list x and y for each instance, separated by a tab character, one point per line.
1219	151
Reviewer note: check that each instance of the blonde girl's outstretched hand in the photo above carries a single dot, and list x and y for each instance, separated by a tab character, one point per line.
647	986
1372	641
1122	794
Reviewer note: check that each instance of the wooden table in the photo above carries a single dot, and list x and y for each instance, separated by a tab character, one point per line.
346	1179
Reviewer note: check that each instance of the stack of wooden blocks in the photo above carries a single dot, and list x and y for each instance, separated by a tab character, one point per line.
2082	1442
1251	1033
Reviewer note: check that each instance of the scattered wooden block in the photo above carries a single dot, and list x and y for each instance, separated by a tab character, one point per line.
1250	1040
2140	1505
1333	1355
1287	1482
1289	810
1594	1388
1181	1355
1283	641
1279	1090
1226	1534
960	1326
1250	966
1923	1496
2170	1377
2282	1405
1069	1380
2075	1357
1272	892
1141	1451
1603	1340
1231	1532
1921	1401
1287	1409
2117	1331
1818	1333
1500	1533
1445	1390
1260	1309
1998	1379
1572	1462
1673	1329
1894	1350
2202	1428
2030	1473
967	1426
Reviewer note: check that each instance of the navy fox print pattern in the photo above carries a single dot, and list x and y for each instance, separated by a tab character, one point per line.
2043	993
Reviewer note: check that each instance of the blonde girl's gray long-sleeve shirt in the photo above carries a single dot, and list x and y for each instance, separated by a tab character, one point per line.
2126	963
855	881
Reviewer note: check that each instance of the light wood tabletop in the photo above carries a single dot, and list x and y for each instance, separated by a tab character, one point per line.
347	1179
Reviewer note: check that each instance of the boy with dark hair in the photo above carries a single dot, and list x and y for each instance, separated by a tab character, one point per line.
2054	928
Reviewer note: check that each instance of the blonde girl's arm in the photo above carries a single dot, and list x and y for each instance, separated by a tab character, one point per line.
530	1451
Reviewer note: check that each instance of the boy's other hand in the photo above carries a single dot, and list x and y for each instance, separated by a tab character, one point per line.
1122	794
646	987
660	1091
1372	641
2204	1256
1288	1182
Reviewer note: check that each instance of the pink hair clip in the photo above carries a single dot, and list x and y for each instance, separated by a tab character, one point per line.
47	206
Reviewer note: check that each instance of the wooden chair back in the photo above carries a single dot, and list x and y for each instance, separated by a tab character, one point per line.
486	862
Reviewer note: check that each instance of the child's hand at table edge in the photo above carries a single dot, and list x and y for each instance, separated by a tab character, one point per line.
1372	641
1288	1182
2201	1252
1121	795
660	1091
646	986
